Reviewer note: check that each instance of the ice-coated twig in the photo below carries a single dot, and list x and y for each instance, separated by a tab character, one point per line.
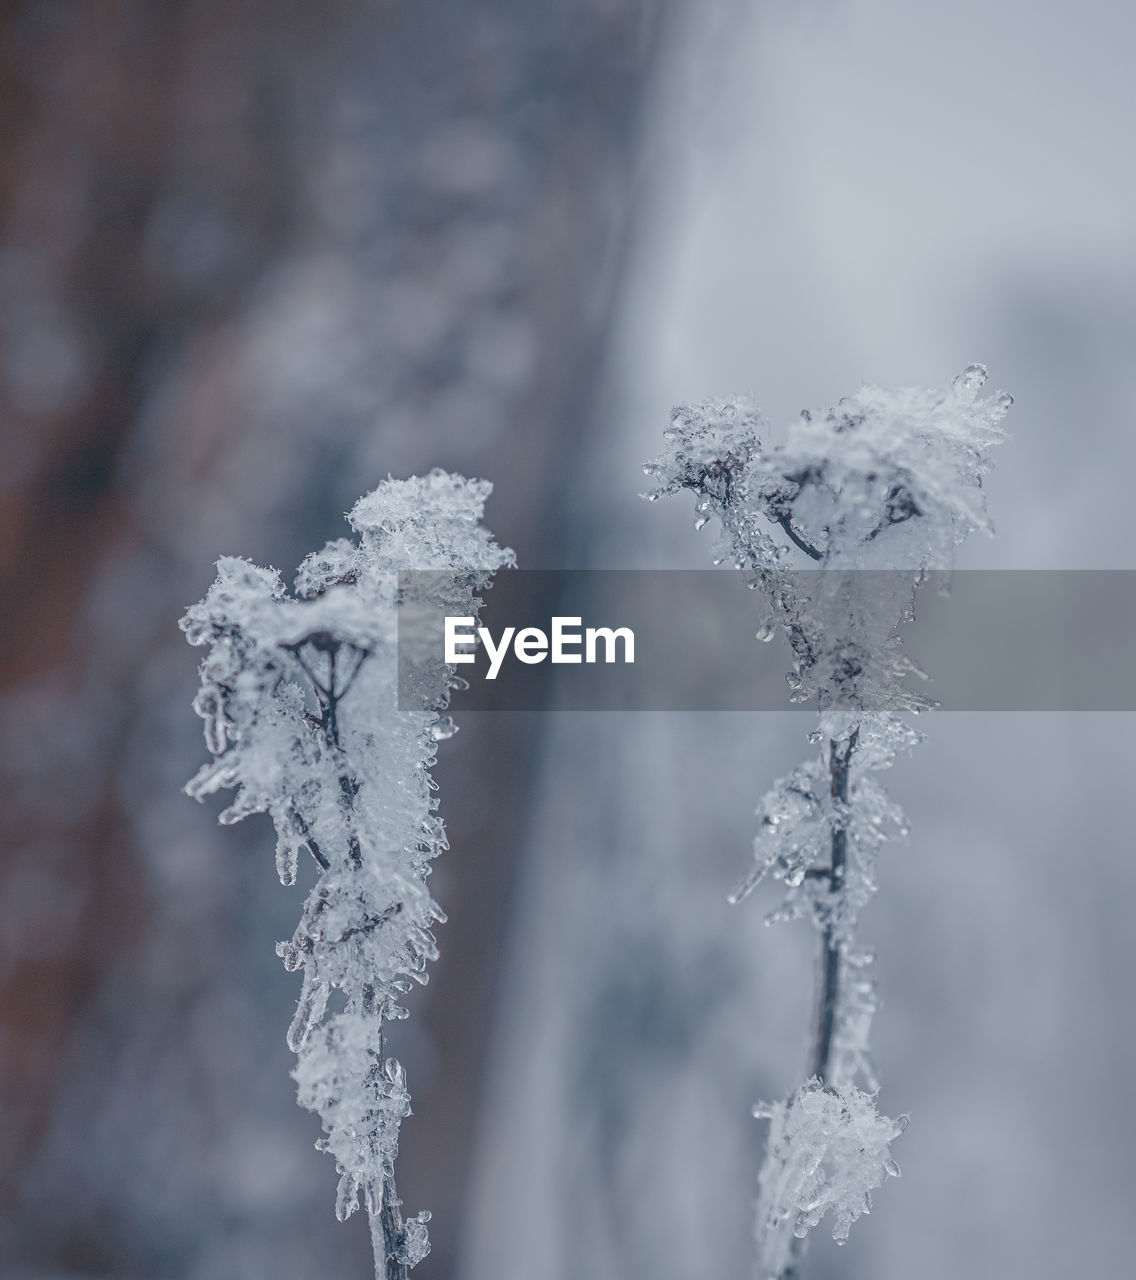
839	766
885	480
300	698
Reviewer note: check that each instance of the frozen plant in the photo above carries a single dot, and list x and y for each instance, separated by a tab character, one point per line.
891	482
299	694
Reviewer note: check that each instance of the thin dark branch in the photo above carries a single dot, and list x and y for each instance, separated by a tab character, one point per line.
296	651
387	1234
832	951
796	538
361	655
313	848
387	1229
330	694
370	923
839	767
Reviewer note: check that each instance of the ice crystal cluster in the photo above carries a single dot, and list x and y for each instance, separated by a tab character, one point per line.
299	694
875	492
827	1151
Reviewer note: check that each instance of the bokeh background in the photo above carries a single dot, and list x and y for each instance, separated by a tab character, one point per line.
257	254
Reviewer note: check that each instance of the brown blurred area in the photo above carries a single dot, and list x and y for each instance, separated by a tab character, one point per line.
255	255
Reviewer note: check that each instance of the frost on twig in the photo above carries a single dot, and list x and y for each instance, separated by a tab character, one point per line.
299	694
886	481
827	1151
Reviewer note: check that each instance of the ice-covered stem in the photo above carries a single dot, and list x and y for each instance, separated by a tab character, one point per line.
839	764
300	698
885	480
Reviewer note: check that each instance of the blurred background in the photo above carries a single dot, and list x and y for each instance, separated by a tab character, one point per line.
256	255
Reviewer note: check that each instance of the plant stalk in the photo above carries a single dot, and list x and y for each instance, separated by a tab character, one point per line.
832	950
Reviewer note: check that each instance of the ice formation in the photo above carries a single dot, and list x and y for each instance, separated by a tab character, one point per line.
876	491
299	694
828	1149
